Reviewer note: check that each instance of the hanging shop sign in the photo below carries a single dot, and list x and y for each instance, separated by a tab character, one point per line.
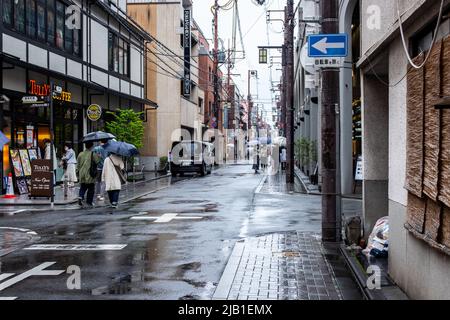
44	91
187	52
94	112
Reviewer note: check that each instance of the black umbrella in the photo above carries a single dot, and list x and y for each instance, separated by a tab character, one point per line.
98	136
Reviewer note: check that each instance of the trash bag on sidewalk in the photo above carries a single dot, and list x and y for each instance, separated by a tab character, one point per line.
378	244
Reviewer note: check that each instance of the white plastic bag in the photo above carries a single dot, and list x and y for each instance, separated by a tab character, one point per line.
379	238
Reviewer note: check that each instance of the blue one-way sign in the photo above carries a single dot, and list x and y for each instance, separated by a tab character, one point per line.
328	45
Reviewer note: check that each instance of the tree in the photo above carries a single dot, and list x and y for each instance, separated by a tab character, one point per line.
127	126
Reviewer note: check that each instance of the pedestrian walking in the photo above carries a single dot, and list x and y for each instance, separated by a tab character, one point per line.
69	164
256	160
99	184
283	158
113	178
264	158
87	171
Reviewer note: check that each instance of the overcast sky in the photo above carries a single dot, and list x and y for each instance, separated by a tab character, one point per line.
254	29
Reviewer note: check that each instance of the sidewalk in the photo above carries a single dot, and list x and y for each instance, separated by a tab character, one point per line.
129	191
278	265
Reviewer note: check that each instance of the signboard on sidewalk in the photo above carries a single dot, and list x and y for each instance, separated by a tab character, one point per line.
41	178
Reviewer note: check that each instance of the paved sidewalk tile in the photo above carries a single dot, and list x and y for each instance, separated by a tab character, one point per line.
281	266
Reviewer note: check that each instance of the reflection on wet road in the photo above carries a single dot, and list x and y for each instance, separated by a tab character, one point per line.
175	257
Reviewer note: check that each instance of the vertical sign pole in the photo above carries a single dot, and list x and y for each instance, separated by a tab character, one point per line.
52	145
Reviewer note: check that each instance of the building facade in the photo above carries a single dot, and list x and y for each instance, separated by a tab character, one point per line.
404	139
178	116
95	54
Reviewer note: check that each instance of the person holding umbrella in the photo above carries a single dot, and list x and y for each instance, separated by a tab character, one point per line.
99	184
103	137
87	170
113	166
113	178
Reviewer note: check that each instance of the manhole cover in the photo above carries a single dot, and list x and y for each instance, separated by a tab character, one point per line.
287	254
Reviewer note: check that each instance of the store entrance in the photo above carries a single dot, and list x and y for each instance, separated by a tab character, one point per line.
30	127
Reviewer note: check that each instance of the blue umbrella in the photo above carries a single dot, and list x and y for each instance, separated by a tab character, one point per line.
121	148
3	140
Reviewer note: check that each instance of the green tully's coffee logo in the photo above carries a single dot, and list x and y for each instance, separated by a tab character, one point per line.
94	112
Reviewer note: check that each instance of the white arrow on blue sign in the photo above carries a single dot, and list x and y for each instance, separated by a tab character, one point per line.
328	45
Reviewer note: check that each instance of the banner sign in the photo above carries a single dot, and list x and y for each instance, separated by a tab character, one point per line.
187	52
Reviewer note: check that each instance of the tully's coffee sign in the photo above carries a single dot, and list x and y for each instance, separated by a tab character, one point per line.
94	112
44	91
41	178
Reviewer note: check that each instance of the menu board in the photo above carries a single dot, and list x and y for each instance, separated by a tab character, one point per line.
17	164
41	178
26	165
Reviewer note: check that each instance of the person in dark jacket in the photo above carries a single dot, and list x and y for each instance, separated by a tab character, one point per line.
87	181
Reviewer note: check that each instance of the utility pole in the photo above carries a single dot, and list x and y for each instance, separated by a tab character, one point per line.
216	63
289	82
249	101
331	223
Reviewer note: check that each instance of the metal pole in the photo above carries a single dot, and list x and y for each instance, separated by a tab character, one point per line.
52	145
331	230
289	30
216	63
249	115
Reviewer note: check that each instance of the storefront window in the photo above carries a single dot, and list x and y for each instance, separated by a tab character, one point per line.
19	15
60	16
76	41
51	22
41	19
68	41
31	18
7	12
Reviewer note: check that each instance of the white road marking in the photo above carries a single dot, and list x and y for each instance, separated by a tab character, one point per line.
4	276
28	231
261	184
77	247
7	298
168	217
37	271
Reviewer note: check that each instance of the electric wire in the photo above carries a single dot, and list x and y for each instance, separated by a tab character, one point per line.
405	47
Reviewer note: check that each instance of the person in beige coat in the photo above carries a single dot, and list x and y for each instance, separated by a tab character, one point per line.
112	169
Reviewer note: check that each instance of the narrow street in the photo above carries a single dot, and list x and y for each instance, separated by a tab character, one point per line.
171	244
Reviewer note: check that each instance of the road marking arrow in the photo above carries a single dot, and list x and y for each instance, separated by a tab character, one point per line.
323	45
40	270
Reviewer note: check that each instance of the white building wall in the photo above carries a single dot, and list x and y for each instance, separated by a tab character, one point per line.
420	270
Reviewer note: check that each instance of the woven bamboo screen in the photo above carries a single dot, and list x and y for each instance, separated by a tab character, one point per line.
428	149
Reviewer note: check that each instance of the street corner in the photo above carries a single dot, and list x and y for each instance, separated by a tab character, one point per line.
12	239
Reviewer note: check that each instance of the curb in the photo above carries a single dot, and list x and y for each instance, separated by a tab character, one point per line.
360	276
74	201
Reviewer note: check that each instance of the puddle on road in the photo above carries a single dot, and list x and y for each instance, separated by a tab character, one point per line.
187	201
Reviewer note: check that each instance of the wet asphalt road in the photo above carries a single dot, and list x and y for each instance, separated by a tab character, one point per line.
169	258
